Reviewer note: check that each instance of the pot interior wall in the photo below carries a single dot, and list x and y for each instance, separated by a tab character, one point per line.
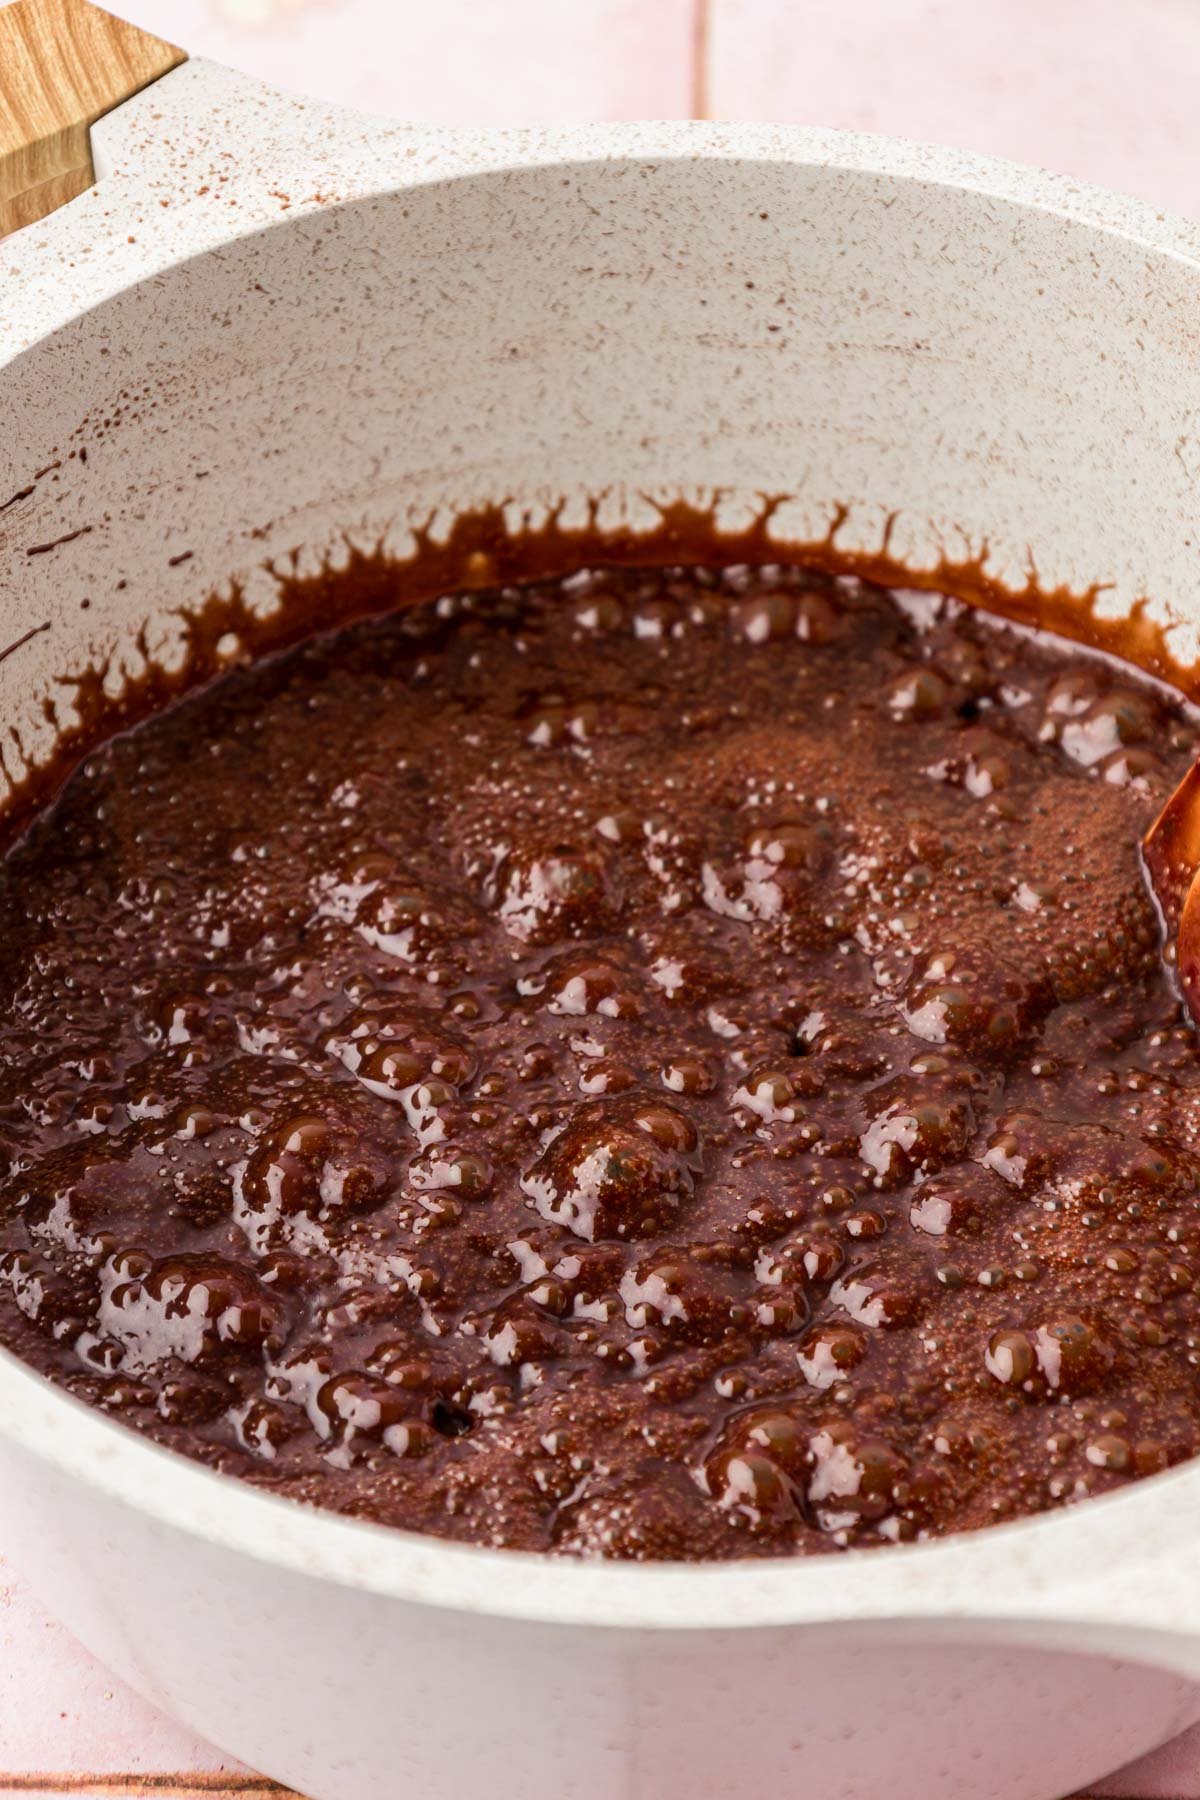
910	364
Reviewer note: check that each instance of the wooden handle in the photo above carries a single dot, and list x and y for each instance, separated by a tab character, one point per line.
63	65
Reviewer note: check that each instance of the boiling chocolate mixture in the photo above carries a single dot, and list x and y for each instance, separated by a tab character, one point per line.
662	1065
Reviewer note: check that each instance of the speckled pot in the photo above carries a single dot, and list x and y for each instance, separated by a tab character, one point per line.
279	331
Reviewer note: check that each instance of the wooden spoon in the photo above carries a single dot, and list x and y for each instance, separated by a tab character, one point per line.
1171	849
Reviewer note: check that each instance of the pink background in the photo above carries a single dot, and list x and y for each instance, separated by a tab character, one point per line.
1104	91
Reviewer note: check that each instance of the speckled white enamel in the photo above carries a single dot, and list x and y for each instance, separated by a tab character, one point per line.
277	328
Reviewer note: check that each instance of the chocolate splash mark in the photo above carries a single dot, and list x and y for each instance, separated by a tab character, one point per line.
68	537
34	631
24	493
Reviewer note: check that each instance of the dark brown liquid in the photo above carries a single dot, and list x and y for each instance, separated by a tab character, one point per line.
659	1065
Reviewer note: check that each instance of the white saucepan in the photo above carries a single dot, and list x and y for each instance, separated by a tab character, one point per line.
273	333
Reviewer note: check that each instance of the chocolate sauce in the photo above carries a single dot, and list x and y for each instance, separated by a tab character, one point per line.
666	1063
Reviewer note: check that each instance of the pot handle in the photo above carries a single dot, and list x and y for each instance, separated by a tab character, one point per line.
63	65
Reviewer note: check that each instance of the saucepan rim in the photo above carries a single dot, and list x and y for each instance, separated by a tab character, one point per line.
1072	1566
1083	1564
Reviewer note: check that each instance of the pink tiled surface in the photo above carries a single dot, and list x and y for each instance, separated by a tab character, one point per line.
1106	91
447	62
60	1712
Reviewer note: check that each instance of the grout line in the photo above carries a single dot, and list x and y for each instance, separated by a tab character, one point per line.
701	46
215	1786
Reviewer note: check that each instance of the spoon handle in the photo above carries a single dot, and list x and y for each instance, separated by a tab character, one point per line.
63	65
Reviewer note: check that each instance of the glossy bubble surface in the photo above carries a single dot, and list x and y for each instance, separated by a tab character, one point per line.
673	1064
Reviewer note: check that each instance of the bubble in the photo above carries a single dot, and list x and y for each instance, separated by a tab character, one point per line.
765	618
517	1336
681	1296
1110	1452
466	1174
1010	1358
874	1298
356	1405
1074	1354
607	1174
749	1482
828	1353
391	1066
853	1477
975	1000
689	1074
184	1308
917	694
917	1128
960	1201
574	985
1108	724
542	898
